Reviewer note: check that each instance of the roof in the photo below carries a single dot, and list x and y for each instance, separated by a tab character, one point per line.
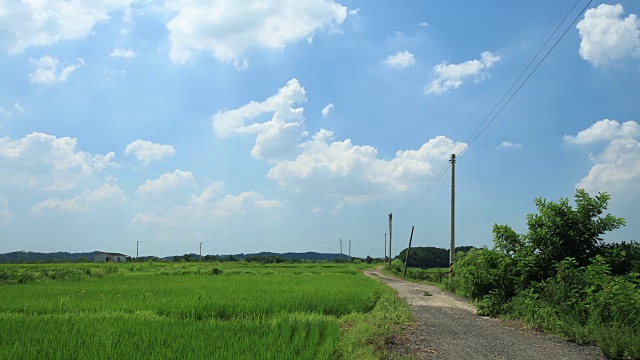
108	253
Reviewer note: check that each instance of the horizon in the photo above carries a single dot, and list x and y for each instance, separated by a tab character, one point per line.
290	126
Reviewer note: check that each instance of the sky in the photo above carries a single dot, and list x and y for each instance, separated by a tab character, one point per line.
288	125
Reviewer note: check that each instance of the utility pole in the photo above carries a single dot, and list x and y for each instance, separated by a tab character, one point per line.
349	251
200	250
137	246
406	260
340	250
385	247
390	235
453	214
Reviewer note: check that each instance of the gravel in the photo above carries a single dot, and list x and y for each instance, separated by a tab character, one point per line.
447	327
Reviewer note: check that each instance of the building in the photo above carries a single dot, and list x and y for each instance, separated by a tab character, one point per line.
109	257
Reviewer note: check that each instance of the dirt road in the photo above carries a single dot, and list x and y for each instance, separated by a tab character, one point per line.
448	328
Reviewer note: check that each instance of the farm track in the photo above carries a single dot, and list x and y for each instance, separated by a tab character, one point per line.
447	327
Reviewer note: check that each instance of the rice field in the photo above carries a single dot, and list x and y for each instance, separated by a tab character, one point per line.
183	310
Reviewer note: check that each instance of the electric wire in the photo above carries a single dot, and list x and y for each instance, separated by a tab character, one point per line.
474	136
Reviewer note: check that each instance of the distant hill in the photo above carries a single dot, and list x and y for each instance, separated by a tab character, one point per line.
429	257
29	256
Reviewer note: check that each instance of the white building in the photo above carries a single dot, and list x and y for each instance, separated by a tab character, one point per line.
109	257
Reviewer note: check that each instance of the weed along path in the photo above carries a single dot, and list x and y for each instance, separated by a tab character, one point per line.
448	328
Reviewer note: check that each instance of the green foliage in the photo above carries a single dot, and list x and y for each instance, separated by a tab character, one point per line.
365	336
429	257
560	276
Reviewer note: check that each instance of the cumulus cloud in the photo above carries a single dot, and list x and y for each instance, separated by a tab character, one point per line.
108	194
227	29
318	163
605	130
452	76
167	181
40	160
146	151
274	138
402	59
607	36
42	23
509	145
617	167
48	70
327	109
123	53
342	167
211	204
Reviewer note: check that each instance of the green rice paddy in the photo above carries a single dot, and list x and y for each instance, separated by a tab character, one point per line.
182	310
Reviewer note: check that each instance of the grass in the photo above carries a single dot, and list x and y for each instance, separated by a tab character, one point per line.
195	310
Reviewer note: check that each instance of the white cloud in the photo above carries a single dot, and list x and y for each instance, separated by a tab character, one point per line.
18	108
41	160
327	109
146	151
316	210
107	194
402	59
47	70
123	53
228	29
320	164
210	204
166	181
452	76
42	23
617	168
274	138
424	24
605	130
6	216
607	36
509	145
343	168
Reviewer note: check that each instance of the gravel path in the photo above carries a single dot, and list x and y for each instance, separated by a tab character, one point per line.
447	327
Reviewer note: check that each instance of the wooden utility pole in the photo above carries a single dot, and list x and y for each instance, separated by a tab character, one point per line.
390	235
406	260
200	250
385	247
453	214
349	251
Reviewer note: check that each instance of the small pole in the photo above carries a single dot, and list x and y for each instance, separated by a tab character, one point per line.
340	250
137	246
200	250
390	235
385	247
453	214
406	260
349	251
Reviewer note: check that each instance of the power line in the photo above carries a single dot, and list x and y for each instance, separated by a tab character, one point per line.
472	138
522	73
529	76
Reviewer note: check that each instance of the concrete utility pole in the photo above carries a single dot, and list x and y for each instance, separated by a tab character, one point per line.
385	247
349	250
200	250
406	260
390	235
453	210
340	249
137	246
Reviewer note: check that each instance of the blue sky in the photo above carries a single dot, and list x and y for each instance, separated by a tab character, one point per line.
288	125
